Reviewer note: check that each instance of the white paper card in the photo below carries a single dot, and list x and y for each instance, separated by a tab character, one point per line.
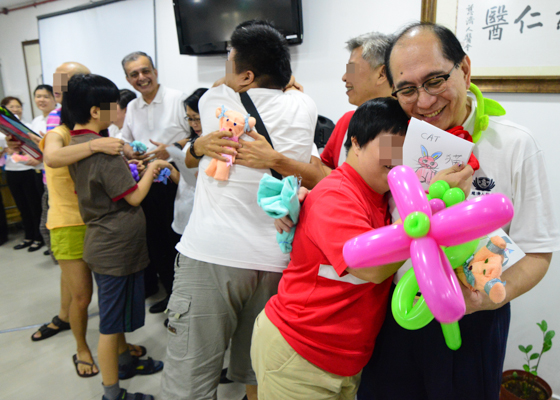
512	253
428	150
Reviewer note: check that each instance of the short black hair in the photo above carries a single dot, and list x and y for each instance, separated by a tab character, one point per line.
260	48
85	92
125	97
192	100
48	88
383	114
450	46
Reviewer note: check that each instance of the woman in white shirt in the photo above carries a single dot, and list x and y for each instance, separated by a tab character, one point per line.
23	173
126	96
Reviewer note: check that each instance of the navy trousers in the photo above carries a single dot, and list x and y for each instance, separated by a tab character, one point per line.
418	365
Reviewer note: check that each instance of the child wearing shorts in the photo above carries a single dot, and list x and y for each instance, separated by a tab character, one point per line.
114	245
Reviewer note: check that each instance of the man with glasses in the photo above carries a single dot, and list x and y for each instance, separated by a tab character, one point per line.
431	74
157	119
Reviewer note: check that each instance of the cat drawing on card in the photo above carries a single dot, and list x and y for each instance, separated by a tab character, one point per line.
427	169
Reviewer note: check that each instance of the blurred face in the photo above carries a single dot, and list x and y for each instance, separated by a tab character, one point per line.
60	83
417	58
107	114
15	107
119	117
231	76
142	76
194	121
44	101
360	79
372	162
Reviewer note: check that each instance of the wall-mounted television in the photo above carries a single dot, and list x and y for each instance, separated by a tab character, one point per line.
205	26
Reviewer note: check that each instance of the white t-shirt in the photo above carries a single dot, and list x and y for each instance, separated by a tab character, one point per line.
512	163
184	199
227	227
114	131
163	120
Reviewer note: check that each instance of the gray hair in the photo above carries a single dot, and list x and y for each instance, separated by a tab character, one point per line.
135	56
373	44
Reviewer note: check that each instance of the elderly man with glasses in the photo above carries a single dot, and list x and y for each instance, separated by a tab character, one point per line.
431	74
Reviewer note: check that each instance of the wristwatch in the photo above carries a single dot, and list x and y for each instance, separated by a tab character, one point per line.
191	150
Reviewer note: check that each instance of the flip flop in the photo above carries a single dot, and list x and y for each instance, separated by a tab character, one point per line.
140	367
47	332
143	350
77	362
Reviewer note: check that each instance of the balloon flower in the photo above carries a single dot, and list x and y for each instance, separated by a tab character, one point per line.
422	235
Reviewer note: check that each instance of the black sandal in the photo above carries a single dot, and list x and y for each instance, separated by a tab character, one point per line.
23	245
35	246
47	332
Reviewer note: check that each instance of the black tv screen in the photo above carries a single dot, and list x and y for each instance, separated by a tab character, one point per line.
205	26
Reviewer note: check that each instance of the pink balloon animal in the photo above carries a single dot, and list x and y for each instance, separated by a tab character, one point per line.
428	165
237	123
421	235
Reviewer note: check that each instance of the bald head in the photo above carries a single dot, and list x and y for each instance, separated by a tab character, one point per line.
420	31
63	73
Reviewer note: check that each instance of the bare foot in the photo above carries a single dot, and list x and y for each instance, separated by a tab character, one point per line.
84	369
135	350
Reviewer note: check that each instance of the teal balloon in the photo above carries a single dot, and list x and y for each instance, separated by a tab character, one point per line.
453	196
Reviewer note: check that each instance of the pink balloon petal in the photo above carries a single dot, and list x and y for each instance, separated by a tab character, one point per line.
380	246
435	280
407	191
471	219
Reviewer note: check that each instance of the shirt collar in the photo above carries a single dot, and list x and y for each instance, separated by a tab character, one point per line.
158	99
80	132
378	200
468	125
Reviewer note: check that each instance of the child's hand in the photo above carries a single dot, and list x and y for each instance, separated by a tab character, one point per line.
139	165
157	165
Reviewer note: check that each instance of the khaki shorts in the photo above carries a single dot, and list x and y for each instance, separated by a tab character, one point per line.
284	374
67	243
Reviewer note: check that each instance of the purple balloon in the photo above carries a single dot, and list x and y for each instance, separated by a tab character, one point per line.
436	205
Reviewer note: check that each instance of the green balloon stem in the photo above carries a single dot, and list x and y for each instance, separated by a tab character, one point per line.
452	335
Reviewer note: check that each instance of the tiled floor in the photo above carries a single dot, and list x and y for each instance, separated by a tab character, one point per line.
29	297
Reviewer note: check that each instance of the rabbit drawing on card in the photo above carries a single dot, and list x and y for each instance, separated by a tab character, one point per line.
427	169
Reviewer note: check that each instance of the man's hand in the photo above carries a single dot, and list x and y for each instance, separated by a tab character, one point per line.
160	152
111	146
285	223
257	154
136	155
293	85
212	145
477	301
457	176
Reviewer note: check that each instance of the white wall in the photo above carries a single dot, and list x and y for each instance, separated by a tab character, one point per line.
319	64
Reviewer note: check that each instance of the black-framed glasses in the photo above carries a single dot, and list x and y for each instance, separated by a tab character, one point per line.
192	120
433	86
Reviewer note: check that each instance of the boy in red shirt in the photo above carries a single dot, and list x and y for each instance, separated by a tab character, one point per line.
314	337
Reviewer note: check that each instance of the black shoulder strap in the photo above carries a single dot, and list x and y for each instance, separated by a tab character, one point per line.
252	110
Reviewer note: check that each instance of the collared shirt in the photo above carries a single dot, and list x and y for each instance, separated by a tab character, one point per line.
163	120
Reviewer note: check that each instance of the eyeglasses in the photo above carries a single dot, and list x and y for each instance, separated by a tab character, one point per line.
192	120
433	86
